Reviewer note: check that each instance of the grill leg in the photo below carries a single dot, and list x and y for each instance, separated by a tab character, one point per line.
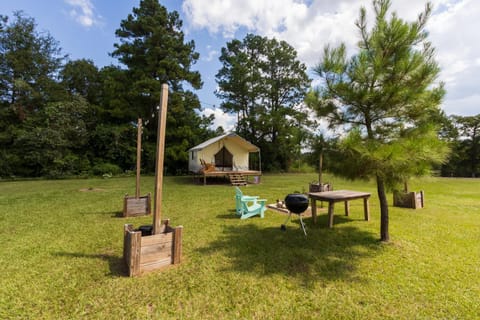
283	226
303	225
288	218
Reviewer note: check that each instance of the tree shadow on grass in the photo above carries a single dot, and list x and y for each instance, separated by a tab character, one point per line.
229	216
116	264
117	214
325	254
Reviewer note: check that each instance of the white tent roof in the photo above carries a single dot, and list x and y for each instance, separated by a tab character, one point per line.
230	136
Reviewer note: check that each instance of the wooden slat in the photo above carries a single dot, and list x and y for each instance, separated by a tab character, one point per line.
137	206
156	253
135	245
157	238
237	179
149	267
126	243
177	245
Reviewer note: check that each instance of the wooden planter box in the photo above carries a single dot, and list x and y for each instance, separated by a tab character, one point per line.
144	254
134	207
317	187
414	200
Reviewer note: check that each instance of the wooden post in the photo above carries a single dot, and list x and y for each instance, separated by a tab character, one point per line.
331	206
139	155
162	121
132	250
313	203
320	168
366	209
177	245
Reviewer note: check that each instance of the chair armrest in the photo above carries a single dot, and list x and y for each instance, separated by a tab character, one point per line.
249	198
258	201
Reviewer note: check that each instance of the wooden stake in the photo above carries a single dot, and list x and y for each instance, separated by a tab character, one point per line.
320	168
139	155
162	122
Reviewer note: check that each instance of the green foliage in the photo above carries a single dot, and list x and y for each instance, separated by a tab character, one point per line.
465	158
410	155
52	143
82	77
386	99
301	167
29	62
262	81
103	168
114	144
153	49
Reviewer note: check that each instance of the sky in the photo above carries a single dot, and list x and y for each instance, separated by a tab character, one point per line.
85	29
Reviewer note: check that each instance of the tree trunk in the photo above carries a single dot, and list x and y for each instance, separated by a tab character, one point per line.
384	234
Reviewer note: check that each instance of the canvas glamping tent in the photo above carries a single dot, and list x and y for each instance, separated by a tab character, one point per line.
227	155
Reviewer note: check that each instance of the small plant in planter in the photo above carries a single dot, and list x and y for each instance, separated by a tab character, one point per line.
406	199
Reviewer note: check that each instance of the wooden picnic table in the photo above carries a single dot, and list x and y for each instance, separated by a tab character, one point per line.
337	196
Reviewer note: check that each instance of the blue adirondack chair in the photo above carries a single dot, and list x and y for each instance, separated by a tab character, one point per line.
248	206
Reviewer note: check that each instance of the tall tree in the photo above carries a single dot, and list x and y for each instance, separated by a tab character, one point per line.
29	64
81	77
264	83
386	98
468	144
53	142
154	51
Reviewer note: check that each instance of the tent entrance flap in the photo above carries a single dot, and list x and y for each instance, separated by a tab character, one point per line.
224	159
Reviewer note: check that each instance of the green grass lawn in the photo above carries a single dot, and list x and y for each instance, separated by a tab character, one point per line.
61	255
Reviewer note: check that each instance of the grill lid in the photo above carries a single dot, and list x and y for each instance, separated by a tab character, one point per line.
296	202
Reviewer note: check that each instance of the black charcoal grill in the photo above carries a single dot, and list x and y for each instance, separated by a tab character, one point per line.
296	203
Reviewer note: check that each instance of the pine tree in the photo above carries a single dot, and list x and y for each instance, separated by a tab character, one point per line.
264	83
386	99
153	50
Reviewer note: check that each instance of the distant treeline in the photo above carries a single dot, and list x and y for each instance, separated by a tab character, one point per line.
62	117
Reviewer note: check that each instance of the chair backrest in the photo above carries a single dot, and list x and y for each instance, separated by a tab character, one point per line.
238	192
238	199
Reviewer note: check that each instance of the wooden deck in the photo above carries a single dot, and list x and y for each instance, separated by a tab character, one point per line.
226	174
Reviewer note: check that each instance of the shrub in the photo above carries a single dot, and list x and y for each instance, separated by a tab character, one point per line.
106	168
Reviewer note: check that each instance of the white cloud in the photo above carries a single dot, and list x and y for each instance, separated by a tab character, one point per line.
211	54
310	25
466	105
225	120
83	12
453	33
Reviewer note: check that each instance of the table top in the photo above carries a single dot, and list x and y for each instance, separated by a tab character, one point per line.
338	195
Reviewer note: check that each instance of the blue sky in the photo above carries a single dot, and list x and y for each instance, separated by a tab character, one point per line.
86	29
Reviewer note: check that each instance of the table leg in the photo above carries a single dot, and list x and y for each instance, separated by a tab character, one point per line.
331	205
347	208
314	210
366	209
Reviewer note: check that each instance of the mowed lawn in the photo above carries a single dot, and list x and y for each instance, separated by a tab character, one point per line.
62	243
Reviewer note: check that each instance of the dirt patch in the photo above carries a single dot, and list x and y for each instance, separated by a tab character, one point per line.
91	189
